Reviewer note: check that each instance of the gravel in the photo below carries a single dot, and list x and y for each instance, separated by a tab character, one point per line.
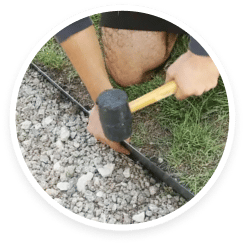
81	174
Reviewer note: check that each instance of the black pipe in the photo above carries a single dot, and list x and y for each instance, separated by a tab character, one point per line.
135	155
157	172
61	89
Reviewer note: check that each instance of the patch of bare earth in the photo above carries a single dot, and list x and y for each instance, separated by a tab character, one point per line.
75	88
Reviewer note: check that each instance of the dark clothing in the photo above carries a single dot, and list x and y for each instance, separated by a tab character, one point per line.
137	21
75	27
196	48
146	22
130	21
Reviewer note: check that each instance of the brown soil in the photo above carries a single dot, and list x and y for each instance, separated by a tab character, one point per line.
75	88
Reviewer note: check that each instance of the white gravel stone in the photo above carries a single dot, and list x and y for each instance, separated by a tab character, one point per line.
100	194
176	198
69	171
52	192
107	170
97	161
27	142
127	173
83	181
79	204
170	208
26	125
47	121
148	213
65	133
44	158
152	190
92	141
63	177
90	196
114	207
153	207
59	201
112	221
96	181
43	184
57	166
169	196
63	186
41	111
127	220
37	126
103	218
44	138
76	144
111	157
59	144
139	217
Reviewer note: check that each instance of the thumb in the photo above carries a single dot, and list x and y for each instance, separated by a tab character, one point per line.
169	75
179	95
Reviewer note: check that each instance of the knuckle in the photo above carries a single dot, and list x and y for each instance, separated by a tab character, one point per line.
214	84
198	92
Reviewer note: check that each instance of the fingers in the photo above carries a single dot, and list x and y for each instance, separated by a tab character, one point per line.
102	138
114	145
90	128
128	140
180	95
169	75
193	75
118	147
94	127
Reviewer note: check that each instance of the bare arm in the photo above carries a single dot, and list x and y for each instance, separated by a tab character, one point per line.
84	52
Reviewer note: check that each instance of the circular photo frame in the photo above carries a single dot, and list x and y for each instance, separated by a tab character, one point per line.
137	230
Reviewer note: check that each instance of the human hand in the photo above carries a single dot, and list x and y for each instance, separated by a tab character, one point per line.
95	128
193	74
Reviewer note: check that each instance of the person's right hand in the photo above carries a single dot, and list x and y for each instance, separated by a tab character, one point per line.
194	75
95	128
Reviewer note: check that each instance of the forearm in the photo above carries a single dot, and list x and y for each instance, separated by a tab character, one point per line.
85	54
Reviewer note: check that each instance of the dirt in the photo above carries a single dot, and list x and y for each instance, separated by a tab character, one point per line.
152	136
75	88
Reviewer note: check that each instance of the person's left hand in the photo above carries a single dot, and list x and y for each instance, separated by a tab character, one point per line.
193	74
95	128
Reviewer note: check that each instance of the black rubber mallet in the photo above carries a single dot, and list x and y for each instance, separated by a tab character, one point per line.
116	113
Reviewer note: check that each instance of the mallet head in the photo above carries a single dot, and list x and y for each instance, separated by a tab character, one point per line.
115	114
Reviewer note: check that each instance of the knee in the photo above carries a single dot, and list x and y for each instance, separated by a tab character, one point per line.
125	76
128	80
129	55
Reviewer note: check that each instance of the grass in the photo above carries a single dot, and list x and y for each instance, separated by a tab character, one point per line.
52	55
196	127
96	19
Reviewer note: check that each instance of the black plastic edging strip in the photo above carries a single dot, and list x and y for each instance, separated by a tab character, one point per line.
135	155
157	172
60	89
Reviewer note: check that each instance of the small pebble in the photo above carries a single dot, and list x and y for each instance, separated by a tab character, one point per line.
139	217
63	186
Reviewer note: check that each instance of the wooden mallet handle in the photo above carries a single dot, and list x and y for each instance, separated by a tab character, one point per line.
150	98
